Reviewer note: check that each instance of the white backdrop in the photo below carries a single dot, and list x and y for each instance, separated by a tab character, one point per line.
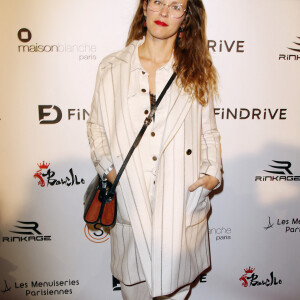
50	51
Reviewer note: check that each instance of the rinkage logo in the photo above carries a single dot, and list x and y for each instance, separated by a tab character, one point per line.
281	171
52	114
49	175
294	56
26	232
282	168
86	51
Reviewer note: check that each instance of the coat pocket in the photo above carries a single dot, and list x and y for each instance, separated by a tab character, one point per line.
198	205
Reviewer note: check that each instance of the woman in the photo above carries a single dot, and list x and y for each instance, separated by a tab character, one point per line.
159	244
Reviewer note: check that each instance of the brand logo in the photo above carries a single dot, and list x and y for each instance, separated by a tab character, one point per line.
281	172
270	225
251	114
291	225
220	233
24	35
6	288
69	180
283	166
26	232
95	233
251	279
298	44
86	51
42	288
226	46
55	113
52	114
294	56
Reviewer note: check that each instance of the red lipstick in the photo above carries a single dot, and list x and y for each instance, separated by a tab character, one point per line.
160	23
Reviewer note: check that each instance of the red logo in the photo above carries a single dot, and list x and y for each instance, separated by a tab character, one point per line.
244	277
251	279
70	179
39	174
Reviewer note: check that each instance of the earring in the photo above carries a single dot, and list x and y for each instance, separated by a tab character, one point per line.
180	32
145	23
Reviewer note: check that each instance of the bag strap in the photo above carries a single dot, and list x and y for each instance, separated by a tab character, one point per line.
147	122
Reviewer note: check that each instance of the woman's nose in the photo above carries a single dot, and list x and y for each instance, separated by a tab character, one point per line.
165	10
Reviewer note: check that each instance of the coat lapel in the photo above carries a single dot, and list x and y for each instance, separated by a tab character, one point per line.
133	186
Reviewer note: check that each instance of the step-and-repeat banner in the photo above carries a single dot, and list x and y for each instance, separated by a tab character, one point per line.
50	51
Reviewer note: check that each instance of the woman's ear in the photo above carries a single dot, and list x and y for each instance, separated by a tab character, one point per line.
185	21
145	7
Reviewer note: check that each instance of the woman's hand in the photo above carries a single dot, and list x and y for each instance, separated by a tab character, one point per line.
111	176
209	182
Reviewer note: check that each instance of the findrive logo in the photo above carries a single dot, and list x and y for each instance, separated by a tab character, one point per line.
86	51
226	46
260	114
280	170
26	232
52	114
295	50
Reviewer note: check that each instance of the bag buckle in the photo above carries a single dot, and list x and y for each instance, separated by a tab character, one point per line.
148	121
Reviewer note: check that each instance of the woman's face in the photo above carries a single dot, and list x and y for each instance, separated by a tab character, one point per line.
160	24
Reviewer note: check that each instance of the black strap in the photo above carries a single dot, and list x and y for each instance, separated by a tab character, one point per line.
147	122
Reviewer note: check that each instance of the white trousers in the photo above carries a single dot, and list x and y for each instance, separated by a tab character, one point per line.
140	291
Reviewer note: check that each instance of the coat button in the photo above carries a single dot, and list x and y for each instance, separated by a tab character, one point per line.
189	152
154	158
143	90
143	72
146	112
153	134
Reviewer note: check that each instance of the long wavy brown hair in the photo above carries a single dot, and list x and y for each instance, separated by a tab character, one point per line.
193	63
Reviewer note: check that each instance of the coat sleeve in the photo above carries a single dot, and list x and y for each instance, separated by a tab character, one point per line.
210	144
100	152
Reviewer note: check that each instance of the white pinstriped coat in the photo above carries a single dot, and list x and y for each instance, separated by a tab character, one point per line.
166	245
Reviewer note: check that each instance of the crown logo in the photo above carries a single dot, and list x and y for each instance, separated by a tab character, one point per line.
43	165
249	270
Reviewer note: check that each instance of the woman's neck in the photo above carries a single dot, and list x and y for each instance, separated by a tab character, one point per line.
156	51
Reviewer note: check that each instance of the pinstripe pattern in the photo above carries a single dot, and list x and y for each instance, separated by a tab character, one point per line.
167	245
